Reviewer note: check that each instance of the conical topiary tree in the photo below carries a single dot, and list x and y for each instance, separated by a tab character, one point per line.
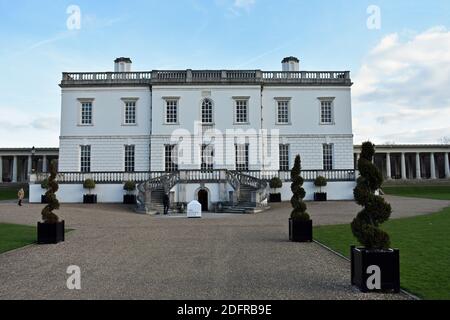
365	226
299	212
53	204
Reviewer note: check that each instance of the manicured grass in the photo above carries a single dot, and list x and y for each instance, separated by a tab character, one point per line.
428	192
14	236
424	244
10	193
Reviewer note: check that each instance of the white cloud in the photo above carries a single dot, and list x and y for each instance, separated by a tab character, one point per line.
234	8
20	129
244	4
402	89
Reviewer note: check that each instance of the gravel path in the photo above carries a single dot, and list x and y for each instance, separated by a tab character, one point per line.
123	255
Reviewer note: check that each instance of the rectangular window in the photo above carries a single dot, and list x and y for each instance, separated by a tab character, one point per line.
130	112
207	111
85	159
328	157
283	112
284	157
129	158
326	112
171	158
242	157
207	157
241	111
86	113
172	111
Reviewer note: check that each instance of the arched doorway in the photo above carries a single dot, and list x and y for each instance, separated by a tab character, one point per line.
203	199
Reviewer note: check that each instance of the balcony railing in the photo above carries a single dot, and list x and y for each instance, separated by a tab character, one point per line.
190	176
207	76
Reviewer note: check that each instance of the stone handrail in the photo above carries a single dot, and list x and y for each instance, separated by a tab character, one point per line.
207	76
191	176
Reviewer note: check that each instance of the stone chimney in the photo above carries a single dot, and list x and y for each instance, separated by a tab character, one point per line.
122	64
290	64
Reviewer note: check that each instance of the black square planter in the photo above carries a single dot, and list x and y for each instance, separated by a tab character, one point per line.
44	199
129	199
320	196
387	260
50	233
90	198
275	197
300	231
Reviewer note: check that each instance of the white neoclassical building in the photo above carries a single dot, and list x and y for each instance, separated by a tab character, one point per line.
213	135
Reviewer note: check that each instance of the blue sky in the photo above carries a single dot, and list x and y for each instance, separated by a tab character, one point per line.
413	43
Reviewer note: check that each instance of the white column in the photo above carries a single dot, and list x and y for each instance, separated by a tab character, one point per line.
44	164
14	173
1	169
432	166
446	166
388	166
403	166
418	169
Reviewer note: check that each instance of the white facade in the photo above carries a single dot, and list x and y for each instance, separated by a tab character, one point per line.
308	110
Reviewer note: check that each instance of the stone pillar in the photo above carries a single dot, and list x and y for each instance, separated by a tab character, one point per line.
388	166
14	173
403	166
30	164
418	169
44	164
446	166
1	169
432	166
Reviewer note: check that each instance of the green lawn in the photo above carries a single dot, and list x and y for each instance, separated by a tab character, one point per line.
10	193
424	244
14	236
428	192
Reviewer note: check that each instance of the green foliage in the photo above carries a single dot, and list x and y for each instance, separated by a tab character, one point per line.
299	206
89	184
366	225
53	204
423	242
129	186
275	183
44	184
320	182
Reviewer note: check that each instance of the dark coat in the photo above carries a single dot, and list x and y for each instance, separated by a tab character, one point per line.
166	200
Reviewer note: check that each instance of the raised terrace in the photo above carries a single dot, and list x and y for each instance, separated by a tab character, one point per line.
257	77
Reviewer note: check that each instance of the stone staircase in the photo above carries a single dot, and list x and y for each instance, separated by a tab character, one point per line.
246	202
157	201
251	192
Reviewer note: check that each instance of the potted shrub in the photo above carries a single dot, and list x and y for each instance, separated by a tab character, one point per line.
300	224
44	185
375	259
89	198
320	182
130	188
275	183
51	230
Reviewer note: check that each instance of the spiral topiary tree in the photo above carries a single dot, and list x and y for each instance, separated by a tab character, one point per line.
53	204
366	225
299	211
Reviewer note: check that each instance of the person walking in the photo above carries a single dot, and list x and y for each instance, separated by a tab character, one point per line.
166	203
20	195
